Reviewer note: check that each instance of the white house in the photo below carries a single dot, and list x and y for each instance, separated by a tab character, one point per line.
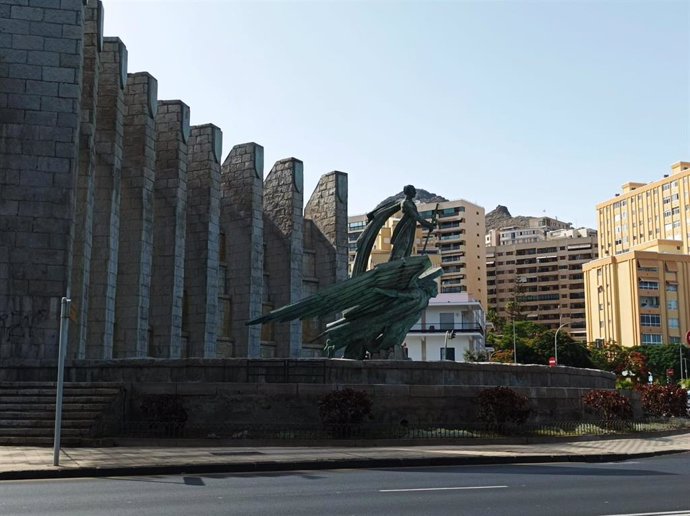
452	323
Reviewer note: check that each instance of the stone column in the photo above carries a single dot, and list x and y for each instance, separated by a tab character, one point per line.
241	212
40	91
170	200
83	220
106	212
284	241
202	243
136	217
327	209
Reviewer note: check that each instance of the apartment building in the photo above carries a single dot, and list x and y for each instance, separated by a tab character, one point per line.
457	245
638	291
544	275
451	325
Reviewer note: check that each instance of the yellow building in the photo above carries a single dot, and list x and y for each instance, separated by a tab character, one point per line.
638	291
457	245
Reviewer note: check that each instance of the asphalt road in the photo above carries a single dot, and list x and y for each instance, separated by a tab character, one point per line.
657	486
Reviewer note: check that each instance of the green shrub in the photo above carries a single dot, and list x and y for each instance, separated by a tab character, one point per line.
609	405
344	410
664	400
501	405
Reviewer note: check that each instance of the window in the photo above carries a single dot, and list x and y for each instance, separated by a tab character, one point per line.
673	322
649	285
650	320
649	302
651	338
447	321
671	287
448	354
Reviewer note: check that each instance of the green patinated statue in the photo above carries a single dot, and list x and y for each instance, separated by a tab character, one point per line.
378	306
403	234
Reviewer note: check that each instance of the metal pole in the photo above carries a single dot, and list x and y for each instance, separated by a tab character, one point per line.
555	342
680	360
64	325
514	345
445	347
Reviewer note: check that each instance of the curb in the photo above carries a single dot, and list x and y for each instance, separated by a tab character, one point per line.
260	467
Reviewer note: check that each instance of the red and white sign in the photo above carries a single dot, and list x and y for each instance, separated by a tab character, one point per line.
687	339
670	372
552	361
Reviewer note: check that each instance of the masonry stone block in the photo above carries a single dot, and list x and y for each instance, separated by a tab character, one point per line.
242	249
136	221
170	199
35	265
284	242
83	215
202	251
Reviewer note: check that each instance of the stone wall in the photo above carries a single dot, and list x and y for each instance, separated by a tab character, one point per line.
170	229
41	63
284	252
203	241
94	204
236	391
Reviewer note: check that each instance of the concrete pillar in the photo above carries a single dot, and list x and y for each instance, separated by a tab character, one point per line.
327	210
136	217
106	212
40	92
241	212
203	239
170	201
83	220
284	241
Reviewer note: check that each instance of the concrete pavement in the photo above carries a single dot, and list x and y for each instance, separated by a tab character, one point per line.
27	462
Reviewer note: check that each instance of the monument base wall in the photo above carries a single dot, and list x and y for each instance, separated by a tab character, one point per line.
217	393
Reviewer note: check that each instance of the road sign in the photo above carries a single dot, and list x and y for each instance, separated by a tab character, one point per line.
552	362
687	339
670	372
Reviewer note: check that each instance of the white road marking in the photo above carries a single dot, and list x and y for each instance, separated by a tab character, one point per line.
685	512
438	489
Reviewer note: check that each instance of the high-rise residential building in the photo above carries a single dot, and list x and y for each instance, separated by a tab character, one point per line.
638	291
457	245
540	269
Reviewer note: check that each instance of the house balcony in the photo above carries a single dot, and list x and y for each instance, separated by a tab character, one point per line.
436	328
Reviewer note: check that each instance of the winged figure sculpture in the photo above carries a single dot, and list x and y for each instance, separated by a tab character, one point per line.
378	306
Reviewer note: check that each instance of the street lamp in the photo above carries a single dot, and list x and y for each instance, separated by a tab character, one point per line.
555	341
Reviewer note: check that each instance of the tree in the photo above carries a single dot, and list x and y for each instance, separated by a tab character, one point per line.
609	356
661	358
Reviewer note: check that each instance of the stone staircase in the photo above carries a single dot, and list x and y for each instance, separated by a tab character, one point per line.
27	411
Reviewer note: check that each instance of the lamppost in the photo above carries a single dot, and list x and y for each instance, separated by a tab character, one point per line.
555	341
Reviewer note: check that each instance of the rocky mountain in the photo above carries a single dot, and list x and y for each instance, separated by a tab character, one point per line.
422	197
500	217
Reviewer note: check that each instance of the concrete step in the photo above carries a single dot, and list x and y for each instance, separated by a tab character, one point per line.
50	407
42	432
50	391
51	399
53	384
30	414
10	440
45	423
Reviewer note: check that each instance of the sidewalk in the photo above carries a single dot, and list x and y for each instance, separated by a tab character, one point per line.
23	462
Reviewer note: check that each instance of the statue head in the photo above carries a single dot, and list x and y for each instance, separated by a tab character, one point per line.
410	191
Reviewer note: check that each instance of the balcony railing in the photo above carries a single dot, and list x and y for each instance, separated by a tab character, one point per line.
443	328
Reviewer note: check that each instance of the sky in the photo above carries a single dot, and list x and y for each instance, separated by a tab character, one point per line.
546	107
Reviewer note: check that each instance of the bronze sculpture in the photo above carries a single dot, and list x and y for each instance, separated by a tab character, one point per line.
378	306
